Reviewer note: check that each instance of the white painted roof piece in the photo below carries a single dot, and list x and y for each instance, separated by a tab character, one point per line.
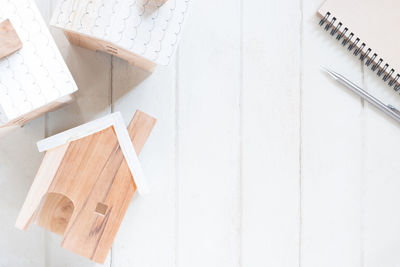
114	120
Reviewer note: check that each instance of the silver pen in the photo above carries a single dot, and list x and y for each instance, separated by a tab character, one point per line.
387	109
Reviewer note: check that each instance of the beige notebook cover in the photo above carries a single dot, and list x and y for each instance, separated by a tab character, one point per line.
373	23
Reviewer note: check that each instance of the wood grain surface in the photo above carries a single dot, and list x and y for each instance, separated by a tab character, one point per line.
101	45
9	40
257	159
75	179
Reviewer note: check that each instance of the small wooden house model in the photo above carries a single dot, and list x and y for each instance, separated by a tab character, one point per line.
33	76
86	182
143	32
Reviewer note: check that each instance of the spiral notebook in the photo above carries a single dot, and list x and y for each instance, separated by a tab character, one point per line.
366	29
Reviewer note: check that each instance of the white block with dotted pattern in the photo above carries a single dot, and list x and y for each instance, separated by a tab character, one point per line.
143	32
34	79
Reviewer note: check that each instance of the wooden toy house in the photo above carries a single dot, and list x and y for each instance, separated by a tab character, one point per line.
143	32
86	182
33	76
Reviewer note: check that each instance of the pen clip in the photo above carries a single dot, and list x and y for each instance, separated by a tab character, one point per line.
393	109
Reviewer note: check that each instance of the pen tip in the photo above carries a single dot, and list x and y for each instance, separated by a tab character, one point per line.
330	72
324	68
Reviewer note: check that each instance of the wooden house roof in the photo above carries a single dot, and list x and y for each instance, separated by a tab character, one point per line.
114	120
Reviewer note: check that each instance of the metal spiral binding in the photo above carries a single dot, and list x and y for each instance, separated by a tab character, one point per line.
364	56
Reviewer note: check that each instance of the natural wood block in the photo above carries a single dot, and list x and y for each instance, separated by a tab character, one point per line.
101	45
35	79
24	119
9	40
145	33
83	187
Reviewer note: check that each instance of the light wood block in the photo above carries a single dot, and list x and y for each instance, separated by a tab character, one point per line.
83	189
24	119
108	47
9	40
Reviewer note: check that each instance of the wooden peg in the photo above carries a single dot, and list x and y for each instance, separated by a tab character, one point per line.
9	40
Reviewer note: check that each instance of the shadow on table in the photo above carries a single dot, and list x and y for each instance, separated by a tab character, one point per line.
126	78
96	77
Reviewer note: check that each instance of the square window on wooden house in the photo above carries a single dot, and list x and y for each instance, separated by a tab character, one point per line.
101	208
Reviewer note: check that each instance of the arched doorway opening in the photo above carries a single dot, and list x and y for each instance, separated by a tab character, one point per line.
54	212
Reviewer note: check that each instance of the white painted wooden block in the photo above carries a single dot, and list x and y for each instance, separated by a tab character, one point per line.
35	79
208	128
332	165
271	166
143	32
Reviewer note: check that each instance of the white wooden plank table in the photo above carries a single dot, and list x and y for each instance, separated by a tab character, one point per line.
258	158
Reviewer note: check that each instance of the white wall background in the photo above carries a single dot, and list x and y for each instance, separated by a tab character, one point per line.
258	158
